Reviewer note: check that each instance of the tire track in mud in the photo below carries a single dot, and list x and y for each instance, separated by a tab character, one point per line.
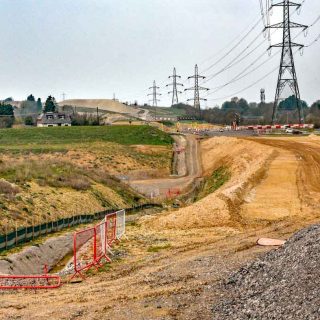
308	172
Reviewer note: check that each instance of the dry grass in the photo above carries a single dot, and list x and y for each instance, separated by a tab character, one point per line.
7	188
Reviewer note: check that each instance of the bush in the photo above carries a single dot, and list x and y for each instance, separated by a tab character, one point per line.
28	121
7	188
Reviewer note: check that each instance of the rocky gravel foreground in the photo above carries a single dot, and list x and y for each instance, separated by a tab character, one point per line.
283	284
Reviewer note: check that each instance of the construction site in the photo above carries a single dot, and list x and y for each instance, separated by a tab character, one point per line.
189	206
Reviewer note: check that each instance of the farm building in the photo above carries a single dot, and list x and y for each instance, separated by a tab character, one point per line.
54	119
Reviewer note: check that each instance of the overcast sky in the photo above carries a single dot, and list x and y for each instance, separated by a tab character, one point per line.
94	48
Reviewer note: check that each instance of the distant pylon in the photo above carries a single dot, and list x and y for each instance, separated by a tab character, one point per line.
196	99
287	72
63	96
174	84
262	96
154	94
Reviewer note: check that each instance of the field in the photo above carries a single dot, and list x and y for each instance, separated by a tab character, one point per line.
47	173
125	135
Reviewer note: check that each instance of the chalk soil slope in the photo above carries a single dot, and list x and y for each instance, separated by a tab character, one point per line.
172	262
103	104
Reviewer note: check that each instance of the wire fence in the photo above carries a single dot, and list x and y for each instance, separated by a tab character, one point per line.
29	233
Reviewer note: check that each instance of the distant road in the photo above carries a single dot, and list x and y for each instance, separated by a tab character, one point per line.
227	133
189	168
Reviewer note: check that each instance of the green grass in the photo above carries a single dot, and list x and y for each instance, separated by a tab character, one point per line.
218	178
39	139
165	111
159	247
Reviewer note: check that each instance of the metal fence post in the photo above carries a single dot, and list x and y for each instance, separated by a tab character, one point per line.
6	230
16	234
32	227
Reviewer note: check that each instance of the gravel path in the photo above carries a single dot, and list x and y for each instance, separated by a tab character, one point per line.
283	284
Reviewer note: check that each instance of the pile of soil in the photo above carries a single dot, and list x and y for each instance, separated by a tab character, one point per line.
283	284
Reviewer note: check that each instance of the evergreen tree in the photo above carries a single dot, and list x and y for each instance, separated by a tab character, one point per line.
50	105
31	98
39	105
7	115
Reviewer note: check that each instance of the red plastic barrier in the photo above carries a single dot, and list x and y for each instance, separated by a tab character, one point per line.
95	243
29	282
85	259
173	193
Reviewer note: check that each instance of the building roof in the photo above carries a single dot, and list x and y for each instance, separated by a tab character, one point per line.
54	118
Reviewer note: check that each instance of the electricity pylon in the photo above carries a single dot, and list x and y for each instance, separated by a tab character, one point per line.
174	84
262	96
196	99
287	72
154	94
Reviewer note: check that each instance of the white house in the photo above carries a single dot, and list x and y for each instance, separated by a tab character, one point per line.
54	119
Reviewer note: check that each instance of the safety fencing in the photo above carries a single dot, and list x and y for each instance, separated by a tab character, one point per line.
26	234
93	245
173	193
9	282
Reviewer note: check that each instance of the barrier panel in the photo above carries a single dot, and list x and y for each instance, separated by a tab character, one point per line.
101	242
96	242
111	228
120	224
173	193
8	282
84	259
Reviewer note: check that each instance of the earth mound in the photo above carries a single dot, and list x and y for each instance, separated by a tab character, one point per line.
283	284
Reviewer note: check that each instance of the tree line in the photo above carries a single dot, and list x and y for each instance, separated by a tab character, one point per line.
256	113
31	108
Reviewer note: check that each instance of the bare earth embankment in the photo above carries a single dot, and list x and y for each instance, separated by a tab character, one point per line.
172	264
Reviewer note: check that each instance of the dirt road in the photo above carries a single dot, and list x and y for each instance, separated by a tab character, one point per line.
171	271
188	167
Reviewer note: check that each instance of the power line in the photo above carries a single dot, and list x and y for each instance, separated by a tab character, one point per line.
246	88
239	77
234	61
313	42
242	74
228	45
234	47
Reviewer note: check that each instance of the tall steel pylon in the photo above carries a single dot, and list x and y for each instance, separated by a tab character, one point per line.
287	72
262	96
196	99
154	94
174	84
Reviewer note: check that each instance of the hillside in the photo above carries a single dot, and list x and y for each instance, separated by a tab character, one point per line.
49	173
103	104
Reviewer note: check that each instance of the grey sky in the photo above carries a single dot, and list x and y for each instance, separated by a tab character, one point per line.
93	48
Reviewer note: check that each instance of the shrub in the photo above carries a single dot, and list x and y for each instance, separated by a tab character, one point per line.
28	121
7	188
